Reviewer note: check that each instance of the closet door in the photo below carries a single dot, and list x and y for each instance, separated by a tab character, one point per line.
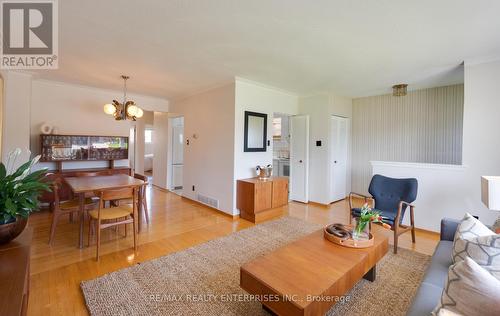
338	153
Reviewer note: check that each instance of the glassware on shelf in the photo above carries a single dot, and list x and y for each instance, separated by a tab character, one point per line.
66	147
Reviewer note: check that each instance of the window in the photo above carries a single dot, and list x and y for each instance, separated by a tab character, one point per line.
148	136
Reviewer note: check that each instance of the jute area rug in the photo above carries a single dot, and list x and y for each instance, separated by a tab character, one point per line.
204	280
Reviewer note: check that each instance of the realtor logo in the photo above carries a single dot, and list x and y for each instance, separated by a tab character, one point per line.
29	35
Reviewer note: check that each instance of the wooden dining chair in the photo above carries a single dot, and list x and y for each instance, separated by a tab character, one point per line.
64	204
142	195
142	198
108	217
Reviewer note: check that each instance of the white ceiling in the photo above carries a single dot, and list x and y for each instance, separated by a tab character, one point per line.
352	48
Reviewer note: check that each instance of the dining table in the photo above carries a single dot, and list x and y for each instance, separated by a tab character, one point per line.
82	185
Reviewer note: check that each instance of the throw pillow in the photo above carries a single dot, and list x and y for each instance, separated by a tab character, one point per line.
470	290
484	250
471	227
446	312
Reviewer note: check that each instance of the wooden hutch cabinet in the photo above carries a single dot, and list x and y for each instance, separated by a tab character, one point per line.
257	199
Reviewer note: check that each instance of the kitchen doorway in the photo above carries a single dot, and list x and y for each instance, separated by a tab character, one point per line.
281	145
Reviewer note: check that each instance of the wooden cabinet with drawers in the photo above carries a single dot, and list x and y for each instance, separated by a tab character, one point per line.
257	199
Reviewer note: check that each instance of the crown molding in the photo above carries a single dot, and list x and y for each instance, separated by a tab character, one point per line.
265	86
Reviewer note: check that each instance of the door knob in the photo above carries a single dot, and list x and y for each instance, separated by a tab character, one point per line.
335	161
300	161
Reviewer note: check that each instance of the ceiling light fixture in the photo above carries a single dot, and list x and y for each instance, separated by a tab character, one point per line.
399	90
125	110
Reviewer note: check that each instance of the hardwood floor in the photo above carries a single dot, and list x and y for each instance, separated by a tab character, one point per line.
176	224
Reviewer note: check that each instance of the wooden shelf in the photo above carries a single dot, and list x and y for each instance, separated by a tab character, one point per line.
81	148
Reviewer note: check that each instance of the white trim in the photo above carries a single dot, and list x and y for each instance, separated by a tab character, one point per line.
418	165
116	91
183	97
481	60
266	86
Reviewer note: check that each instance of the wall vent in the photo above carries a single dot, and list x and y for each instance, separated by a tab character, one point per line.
208	201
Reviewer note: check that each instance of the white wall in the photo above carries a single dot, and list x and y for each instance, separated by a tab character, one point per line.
250	96
209	158
76	109
481	142
1	112
16	114
320	108
140	146
148	119
160	140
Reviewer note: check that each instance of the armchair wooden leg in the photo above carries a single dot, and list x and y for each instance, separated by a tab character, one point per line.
396	236
412	220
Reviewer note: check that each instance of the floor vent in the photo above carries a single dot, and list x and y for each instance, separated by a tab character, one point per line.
208	201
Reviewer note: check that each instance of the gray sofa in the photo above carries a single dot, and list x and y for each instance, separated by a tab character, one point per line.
429	293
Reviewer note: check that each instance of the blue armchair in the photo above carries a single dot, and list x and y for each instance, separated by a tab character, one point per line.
392	197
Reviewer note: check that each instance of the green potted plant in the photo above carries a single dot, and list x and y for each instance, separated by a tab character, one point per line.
19	192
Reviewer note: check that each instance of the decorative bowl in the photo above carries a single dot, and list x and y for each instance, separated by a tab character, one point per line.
11	230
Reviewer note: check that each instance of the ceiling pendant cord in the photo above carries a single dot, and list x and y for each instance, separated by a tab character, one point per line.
124	88
124	107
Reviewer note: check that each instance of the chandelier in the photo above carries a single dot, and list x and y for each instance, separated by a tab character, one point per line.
399	90
125	110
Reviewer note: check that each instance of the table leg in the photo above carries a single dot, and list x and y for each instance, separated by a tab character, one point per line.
81	198
371	275
267	309
139	212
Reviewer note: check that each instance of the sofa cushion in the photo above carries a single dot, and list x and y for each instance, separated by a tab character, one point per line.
430	290
470	290
441	260
426	299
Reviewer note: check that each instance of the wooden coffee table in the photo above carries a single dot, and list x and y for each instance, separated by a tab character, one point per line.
309	275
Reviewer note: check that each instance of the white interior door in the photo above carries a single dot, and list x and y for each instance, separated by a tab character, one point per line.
338	148
299	158
178	145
